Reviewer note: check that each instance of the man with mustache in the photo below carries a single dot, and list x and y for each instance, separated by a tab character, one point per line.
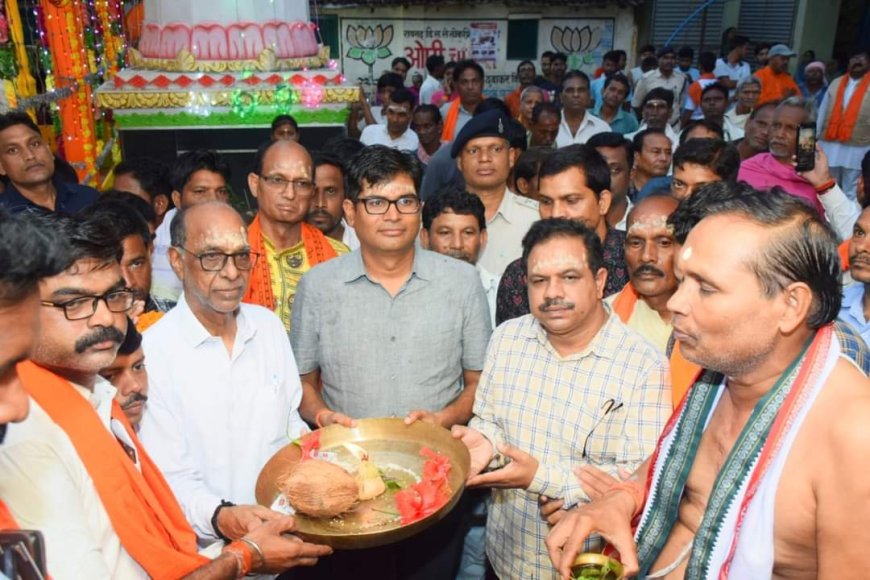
844	122
816	187
756	138
856	298
565	386
649	254
454	224
574	184
759	292
283	183
75	469
29	166
213	357
327	207
128	375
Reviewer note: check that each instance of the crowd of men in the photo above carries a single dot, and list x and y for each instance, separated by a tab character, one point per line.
618	292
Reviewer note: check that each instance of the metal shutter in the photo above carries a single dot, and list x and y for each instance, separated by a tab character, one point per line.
767	20
668	15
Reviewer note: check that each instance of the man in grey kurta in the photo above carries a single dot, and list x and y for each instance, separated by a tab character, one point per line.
388	340
391	330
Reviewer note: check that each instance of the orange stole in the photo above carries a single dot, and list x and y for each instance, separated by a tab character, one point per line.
683	375
259	290
624	303
447	134
842	122
843	250
7	522
143	511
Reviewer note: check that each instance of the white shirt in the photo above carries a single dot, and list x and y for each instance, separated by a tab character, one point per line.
589	126
213	420
349	237
165	285
736	73
736	119
732	131
621	225
490	286
506	229
47	488
429	87
669	131
379	135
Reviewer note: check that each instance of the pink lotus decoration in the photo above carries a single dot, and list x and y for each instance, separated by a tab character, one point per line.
237	41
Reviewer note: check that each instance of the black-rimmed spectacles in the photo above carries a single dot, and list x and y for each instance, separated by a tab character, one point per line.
217	261
85	306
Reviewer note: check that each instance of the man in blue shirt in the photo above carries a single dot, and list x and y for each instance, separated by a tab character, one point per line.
28	165
855	309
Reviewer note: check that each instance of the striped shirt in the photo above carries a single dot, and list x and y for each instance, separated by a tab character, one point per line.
612	398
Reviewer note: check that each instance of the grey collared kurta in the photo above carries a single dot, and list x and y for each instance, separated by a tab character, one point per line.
382	356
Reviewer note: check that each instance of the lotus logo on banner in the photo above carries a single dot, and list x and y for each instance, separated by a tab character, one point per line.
368	44
577	43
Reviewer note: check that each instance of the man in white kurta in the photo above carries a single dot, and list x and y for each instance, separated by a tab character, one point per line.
218	409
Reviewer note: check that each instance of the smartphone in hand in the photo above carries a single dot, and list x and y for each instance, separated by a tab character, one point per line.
805	147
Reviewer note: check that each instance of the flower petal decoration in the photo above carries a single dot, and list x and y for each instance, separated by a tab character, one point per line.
556	39
388	35
595	39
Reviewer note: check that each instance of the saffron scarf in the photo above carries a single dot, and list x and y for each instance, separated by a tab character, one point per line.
447	133
144	513
7	522
317	249
842	121
743	469
683	374
624	303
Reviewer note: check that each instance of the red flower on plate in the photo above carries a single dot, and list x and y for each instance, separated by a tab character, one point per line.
428	496
309	444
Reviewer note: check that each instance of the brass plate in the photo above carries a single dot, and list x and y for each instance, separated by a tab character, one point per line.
389	442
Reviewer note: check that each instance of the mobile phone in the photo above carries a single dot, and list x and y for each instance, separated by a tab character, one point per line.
805	148
22	554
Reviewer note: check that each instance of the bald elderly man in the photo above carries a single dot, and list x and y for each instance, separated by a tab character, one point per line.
287	247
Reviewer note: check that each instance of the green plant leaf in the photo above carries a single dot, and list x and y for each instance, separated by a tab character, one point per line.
384	52
355	53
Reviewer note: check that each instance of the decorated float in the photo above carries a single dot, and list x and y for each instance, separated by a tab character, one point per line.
227	63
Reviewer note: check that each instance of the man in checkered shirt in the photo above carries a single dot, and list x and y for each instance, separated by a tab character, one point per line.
563	387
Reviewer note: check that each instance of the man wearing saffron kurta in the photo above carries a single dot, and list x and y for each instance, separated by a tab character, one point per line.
642	304
758	295
844	123
283	183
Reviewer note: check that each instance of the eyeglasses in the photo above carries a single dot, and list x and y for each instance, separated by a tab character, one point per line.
86	306
217	261
407	204
279	184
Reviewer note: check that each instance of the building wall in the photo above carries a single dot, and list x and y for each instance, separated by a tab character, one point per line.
482	32
816	27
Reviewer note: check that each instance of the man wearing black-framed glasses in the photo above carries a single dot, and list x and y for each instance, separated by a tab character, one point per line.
283	183
391	330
